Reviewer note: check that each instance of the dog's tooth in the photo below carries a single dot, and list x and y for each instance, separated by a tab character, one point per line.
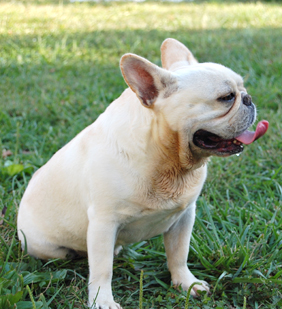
236	142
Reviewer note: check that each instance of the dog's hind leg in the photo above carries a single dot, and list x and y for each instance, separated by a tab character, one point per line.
37	246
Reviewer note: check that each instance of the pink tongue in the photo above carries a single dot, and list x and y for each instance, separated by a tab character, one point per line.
248	137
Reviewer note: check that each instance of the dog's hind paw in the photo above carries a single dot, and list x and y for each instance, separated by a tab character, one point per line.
117	250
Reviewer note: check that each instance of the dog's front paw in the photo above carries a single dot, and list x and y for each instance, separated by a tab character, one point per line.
106	305
204	286
103	301
185	279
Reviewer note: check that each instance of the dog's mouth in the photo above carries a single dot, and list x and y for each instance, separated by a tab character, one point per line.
220	146
209	141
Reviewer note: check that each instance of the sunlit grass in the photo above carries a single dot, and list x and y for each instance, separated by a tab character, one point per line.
45	19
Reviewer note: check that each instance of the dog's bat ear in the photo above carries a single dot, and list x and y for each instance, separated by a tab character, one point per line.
175	54
146	79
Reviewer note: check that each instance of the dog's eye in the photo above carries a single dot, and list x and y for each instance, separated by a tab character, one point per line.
227	98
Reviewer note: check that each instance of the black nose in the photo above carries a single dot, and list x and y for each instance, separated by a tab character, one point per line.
247	100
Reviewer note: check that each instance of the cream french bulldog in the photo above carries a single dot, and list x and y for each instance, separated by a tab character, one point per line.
138	170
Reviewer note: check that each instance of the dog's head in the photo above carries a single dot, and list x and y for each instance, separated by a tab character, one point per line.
205	103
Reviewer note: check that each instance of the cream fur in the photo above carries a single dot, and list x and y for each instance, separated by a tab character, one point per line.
135	172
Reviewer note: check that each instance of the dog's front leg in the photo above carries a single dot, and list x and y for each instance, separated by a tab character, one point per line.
101	237
177	241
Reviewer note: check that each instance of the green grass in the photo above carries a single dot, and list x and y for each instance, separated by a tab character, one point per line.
59	70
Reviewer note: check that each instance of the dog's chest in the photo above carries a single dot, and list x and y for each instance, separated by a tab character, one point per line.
148	223
153	214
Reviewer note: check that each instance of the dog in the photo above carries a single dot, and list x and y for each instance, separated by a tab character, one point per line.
138	170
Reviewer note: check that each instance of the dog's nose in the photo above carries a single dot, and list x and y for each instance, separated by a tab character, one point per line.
247	100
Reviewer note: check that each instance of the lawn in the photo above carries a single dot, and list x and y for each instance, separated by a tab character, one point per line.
59	68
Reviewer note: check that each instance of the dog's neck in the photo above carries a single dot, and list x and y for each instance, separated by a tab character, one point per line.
173	162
